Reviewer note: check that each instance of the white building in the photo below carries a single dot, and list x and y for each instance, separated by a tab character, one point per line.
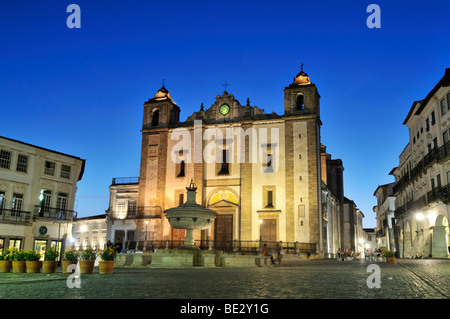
89	232
422	188
385	216
35	185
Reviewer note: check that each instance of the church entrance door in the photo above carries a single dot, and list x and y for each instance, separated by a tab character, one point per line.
223	232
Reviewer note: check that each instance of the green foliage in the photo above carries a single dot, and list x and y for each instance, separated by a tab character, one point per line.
88	254
388	253
50	254
6	254
17	254
107	254
71	255
32	255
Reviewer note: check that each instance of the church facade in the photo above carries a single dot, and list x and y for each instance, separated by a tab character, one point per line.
260	172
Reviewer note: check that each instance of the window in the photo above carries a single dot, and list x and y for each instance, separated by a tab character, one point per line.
121	211
445	136
443	107
448	101
435	145
17	203
5	159
65	171
22	163
432	184
61	202
299	105
269	199
181	167
433	118
155	118
49	168
427	124
438	179
2	201
132	208
45	201
268	161
224	169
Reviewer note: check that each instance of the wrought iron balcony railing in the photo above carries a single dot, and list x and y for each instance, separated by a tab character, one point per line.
441	193
15	216
142	212
50	213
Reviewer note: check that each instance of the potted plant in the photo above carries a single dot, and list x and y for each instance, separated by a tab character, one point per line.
70	258
50	263
106	264
18	260
32	261
87	260
389	255
5	260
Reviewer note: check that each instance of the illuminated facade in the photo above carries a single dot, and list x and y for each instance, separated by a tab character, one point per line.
422	187
261	172
36	184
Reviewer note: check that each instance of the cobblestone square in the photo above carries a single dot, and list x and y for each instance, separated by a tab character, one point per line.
310	279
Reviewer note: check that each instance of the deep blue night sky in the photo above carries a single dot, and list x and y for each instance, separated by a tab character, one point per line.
81	91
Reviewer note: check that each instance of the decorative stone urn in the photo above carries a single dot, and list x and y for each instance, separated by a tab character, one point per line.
190	216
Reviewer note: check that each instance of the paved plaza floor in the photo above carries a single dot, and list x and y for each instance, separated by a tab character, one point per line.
308	280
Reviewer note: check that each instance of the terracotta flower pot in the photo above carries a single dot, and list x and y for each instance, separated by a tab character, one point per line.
5	265
106	266
49	267
65	264
19	266
390	260
87	266
33	266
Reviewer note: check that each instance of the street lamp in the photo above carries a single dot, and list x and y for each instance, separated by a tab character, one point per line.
419	216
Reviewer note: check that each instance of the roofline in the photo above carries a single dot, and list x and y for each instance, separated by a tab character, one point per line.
49	150
444	81
101	216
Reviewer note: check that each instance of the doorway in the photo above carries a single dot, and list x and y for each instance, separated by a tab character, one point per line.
268	230
223	232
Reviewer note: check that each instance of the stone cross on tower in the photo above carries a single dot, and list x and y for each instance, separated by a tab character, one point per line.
225	85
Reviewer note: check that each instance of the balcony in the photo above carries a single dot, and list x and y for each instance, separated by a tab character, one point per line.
441	193
15	217
125	180
435	155
49	213
142	212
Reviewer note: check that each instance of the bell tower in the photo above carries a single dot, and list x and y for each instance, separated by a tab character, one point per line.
161	110
301	97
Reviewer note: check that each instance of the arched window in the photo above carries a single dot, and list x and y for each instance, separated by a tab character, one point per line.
299	105
155	118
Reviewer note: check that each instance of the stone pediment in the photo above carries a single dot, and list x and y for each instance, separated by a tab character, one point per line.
226	109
